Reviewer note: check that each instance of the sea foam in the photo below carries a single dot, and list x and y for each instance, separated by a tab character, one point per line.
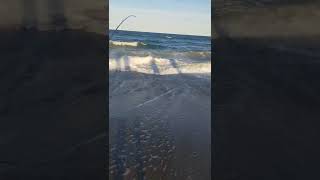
129	44
159	66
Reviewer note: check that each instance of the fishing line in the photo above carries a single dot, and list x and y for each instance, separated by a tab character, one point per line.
121	24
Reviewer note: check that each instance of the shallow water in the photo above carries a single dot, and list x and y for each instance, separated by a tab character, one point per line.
160	116
154	53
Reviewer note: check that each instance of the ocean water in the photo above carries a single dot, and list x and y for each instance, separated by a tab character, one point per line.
157	53
159	106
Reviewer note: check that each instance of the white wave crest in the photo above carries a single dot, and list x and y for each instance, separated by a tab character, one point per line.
123	43
159	66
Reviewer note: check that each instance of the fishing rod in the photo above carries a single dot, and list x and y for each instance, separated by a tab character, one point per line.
120	24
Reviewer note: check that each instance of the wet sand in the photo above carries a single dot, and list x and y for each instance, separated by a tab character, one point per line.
159	126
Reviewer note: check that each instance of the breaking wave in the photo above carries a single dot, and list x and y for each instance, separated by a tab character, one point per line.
135	44
196	56
159	66
160	54
125	44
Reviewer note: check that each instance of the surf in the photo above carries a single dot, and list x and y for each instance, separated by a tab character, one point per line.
158	66
157	53
125	44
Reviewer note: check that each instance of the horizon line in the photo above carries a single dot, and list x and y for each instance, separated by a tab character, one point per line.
164	33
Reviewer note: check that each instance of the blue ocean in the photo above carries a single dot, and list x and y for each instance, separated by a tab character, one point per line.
169	53
159	42
159	106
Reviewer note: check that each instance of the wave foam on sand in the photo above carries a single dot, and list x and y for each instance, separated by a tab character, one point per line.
158	66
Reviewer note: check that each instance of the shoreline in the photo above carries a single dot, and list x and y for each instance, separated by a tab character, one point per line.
169	110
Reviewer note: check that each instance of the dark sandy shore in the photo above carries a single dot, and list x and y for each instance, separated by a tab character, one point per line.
52	105
159	126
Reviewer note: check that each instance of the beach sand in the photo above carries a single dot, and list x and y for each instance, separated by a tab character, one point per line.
160	126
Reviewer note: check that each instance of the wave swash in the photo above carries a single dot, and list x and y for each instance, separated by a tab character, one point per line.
159	106
160	54
159	66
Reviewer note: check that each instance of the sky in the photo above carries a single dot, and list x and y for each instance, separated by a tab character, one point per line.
191	17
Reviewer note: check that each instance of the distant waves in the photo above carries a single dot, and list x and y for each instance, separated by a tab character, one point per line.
124	44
